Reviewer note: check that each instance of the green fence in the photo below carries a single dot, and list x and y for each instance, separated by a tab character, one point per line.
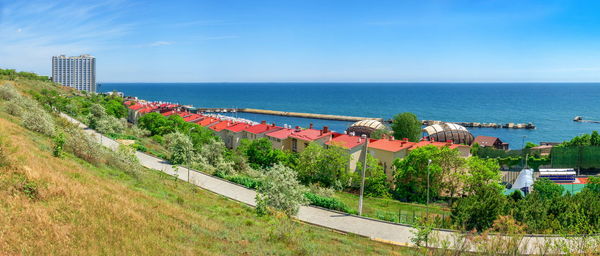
583	157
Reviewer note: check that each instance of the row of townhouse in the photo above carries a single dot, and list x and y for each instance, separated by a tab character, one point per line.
296	139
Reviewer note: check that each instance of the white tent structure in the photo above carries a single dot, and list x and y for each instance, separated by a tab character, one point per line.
524	180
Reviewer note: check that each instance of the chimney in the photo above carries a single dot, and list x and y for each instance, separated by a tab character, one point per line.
405	139
449	142
310	126
263	122
392	138
273	124
297	128
325	129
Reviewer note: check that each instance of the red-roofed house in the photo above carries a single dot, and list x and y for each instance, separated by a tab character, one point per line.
353	144
301	138
388	150
487	141
208	121
259	131
192	118
280	139
232	134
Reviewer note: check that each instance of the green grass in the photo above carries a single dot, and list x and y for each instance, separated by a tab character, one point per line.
389	209
66	206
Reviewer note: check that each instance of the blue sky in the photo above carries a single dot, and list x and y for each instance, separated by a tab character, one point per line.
326	40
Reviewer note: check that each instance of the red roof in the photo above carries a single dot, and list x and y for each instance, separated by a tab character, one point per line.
346	141
262	128
310	134
192	117
485	141
220	126
391	145
281	134
238	127
136	106
184	114
208	121
168	113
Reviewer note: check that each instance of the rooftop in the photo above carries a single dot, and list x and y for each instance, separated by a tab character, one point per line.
346	141
208	121
238	127
281	134
391	145
485	140
262	128
220	126
311	134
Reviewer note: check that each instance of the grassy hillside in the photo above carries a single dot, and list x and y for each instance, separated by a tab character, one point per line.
67	206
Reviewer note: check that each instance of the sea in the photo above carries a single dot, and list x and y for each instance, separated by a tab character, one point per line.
551	107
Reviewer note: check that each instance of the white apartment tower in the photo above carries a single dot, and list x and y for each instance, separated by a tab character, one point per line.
78	72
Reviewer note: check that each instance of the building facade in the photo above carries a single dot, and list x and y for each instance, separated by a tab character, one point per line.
78	72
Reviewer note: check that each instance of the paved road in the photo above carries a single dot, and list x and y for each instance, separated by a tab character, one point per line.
374	229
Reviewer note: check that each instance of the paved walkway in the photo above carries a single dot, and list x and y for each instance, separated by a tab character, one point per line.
374	229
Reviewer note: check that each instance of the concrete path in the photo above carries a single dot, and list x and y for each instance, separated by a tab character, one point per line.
371	228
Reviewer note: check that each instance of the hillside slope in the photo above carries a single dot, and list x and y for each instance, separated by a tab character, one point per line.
66	206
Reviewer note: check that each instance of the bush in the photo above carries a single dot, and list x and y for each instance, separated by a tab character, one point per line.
83	146
245	181
326	202
181	148
59	142
280	190
39	121
124	159
8	92
109	124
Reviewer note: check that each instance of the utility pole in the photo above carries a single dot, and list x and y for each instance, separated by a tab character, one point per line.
428	164
362	180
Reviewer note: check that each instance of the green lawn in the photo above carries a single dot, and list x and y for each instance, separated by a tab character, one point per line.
389	209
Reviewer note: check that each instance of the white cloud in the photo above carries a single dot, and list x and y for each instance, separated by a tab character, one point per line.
161	43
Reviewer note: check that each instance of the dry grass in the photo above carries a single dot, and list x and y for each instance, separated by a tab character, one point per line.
65	206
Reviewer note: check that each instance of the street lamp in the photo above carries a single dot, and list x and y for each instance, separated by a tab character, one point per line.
362	180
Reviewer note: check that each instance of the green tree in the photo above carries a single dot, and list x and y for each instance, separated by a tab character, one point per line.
97	112
595	139
156	123
593	184
325	166
479	210
376	184
547	189
412	172
180	147
481	173
260	152
406	125
380	134
280	190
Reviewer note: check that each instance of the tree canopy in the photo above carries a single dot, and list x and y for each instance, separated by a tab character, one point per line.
406	125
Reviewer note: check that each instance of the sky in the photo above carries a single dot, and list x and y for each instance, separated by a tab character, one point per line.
309	40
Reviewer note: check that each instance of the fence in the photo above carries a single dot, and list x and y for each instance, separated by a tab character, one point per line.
580	157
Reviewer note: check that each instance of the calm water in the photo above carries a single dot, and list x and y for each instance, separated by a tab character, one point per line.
551	107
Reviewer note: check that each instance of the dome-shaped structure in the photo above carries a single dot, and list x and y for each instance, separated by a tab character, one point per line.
365	127
449	131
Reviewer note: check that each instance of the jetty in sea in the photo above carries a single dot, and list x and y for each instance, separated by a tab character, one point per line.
581	120
356	118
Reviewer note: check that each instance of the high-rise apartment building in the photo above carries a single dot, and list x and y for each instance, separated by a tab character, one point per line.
78	72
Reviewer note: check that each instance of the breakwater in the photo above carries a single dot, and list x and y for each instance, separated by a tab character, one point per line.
355	118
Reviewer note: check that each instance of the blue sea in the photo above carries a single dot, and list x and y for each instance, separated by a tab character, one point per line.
550	106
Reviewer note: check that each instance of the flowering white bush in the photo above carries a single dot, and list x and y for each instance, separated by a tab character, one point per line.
181	148
280	190
8	92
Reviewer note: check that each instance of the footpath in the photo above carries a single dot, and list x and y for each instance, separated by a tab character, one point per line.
374	229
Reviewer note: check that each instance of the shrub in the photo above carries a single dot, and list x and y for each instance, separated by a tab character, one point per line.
109	124
124	159
8	92
280	190
59	142
326	202
181	148
14	107
39	121
244	181
83	146
139	132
